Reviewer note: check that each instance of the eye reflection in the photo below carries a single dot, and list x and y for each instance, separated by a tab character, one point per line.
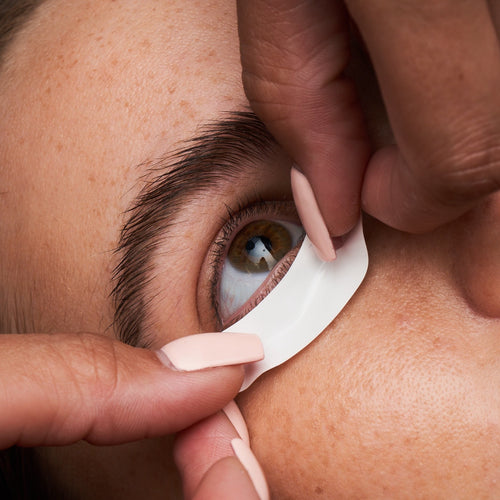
259	246
252	255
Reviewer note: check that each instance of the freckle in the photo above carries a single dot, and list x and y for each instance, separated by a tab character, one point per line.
59	147
332	431
91	178
318	490
171	89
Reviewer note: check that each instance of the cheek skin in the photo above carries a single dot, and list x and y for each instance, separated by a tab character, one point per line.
397	398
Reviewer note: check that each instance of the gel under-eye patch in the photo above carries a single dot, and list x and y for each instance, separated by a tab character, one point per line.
304	303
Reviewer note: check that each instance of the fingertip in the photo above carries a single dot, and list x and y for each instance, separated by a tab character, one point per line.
200	446
252	466
383	195
310	215
209	350
234	415
375	193
396	196
344	223
227	479
320	224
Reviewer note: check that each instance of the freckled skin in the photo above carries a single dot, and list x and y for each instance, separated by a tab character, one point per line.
398	398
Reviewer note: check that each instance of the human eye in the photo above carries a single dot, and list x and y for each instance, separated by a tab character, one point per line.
249	256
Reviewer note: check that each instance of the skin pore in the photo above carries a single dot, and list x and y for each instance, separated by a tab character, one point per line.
397	398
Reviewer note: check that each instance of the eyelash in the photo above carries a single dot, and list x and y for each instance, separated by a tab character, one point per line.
235	221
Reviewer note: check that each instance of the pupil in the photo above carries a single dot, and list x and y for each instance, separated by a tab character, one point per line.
259	246
250	245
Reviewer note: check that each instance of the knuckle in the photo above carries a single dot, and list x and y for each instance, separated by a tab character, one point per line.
94	365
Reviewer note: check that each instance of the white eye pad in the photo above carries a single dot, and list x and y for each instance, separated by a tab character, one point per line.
310	295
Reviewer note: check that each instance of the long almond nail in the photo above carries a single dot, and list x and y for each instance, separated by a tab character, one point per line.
249	462
208	350
234	415
310	216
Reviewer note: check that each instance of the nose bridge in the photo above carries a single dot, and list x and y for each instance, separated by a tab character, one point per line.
477	257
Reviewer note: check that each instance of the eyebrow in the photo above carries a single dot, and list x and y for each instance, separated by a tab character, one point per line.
221	152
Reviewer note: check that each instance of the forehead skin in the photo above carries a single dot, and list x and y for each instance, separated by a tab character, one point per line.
88	92
397	398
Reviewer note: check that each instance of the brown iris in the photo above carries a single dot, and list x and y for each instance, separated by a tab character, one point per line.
259	246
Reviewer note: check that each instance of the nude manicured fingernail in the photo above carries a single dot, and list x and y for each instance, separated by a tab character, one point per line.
234	415
208	350
310	216
249	462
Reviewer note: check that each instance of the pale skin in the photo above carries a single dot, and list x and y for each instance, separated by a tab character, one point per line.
397	398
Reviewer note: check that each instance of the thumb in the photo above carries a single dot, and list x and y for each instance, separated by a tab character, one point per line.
58	389
293	56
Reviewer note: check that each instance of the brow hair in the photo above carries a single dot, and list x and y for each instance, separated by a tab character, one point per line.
13	16
217	154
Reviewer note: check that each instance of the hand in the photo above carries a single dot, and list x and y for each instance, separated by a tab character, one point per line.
438	66
212	471
59	389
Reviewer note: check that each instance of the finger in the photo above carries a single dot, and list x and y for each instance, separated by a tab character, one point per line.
293	55
200	447
57	389
204	453
494	6
226	480
438	65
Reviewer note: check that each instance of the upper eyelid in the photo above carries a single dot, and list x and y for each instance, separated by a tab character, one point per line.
257	209
225	149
